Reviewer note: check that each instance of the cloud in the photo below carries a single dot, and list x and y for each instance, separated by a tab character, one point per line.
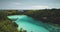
40	7
17	6
13	5
35	7
32	7
16	3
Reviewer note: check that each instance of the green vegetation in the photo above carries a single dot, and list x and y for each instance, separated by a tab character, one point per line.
45	15
7	25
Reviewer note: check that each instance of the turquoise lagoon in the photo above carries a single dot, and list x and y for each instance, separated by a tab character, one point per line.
30	24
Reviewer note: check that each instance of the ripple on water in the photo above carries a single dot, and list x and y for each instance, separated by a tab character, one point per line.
30	24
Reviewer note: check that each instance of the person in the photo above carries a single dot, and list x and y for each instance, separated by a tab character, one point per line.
21	29
24	31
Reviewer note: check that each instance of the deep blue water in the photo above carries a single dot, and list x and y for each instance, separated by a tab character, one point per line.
30	24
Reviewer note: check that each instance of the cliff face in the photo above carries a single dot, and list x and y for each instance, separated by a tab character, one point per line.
7	25
47	15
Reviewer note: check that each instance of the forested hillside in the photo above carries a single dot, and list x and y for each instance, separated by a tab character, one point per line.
45	15
6	25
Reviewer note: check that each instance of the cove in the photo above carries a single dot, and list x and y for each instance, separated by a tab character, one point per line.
30	24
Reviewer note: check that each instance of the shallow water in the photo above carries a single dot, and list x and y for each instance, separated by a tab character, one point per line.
30	24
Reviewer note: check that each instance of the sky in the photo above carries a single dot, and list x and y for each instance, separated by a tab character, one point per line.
29	4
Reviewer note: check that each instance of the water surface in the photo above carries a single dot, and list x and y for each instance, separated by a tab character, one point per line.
29	23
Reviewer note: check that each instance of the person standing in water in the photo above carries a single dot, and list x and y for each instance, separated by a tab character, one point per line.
31	31
22	30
